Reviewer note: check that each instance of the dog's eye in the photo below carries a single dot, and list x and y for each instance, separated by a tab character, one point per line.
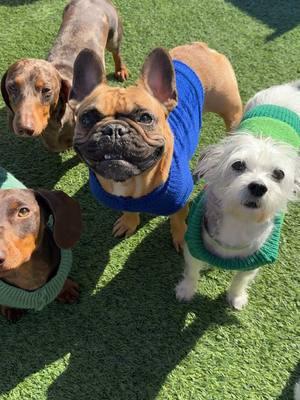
12	88
278	174
239	166
145	118
23	212
89	118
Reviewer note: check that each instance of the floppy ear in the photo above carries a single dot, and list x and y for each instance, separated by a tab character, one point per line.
89	72
158	77
5	96
64	93
67	216
208	160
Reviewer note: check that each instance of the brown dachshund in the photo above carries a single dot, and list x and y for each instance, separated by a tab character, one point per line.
36	91
30	252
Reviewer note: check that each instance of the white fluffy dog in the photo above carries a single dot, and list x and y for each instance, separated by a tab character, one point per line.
250	177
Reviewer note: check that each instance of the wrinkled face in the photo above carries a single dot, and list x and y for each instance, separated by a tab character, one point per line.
253	177
20	222
32	88
121	133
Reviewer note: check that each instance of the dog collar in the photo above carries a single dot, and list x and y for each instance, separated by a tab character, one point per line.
267	254
278	123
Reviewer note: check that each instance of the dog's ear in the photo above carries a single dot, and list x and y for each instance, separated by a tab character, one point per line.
66	214
5	96
158	77
89	72
208	160
64	92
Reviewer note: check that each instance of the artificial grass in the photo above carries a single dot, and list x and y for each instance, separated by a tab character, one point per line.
129	338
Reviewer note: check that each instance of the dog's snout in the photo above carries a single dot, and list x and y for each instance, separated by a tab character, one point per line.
27	130
257	189
116	130
2	257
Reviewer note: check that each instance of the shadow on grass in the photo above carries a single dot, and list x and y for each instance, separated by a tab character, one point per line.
29	160
16	3
278	15
122	341
288	391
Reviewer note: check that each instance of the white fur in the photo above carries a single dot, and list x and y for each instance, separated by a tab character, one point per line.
297	391
239	231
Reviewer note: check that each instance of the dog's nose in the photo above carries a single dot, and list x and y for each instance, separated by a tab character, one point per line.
26	130
257	189
116	130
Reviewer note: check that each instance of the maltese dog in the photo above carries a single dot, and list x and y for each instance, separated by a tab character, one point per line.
250	177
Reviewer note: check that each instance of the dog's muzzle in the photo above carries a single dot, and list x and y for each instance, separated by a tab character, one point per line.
117	151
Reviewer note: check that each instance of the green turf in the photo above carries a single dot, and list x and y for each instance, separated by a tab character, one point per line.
129	338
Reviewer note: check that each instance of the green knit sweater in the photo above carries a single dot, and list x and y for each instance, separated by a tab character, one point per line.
37	299
267	254
268	120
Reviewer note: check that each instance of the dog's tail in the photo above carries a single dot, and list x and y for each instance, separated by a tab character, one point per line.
286	95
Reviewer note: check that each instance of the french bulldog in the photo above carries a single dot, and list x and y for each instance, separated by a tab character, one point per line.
138	141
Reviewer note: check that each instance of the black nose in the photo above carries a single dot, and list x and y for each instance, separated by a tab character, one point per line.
26	130
257	189
116	130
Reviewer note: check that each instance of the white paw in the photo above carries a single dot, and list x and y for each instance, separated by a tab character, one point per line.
237	301
185	290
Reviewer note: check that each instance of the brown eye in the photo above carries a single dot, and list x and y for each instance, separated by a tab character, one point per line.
46	92
23	212
145	118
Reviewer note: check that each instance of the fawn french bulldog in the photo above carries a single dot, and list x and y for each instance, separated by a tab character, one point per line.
138	141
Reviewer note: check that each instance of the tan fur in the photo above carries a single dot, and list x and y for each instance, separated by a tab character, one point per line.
221	96
93	24
218	78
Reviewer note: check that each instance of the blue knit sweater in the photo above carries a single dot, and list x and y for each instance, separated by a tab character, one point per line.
185	122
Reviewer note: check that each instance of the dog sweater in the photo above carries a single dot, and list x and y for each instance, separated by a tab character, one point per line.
268	120
15	297
185	122
267	254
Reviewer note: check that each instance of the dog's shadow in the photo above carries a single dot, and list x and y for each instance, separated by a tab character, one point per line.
123	340
282	18
15	3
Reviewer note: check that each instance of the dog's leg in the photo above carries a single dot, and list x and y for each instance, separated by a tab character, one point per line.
126	225
121	72
178	227
12	314
237	295
69	293
186	289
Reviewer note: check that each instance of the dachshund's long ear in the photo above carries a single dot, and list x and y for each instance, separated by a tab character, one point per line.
4	91
66	213
5	96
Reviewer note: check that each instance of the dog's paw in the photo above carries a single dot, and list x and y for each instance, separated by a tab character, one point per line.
69	293
185	290
122	74
126	225
238	302
12	314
